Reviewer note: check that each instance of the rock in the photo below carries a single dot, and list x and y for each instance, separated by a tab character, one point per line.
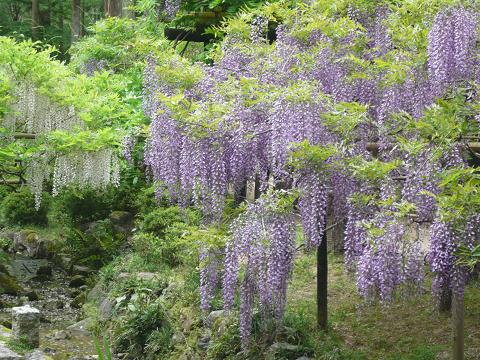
26	325
141	276
30	244
37	355
303	358
6	323
7	354
44	272
80	327
61	335
81	270
65	262
32	295
204	342
96	294
5	332
9	286
105	309
78	301
77	281
284	349
122	221
214	316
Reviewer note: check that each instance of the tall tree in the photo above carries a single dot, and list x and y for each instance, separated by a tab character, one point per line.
113	7
76	20
35	18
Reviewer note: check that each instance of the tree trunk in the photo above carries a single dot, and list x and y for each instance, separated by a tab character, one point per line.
113	7
458	327
445	303
76	20
322	284
126	12
35	18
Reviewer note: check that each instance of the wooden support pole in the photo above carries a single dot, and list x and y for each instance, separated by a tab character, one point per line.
24	136
458	310
322	284
10	182
474	146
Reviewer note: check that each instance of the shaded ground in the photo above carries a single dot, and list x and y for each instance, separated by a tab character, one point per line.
406	329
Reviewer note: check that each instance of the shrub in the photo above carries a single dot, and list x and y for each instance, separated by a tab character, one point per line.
80	206
160	219
142	328
96	246
18	208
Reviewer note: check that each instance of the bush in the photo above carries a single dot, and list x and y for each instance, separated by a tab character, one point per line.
142	328
159	220
75	206
96	246
18	208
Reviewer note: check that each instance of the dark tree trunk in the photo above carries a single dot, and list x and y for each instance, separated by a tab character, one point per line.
445	303
35	18
322	284
458	327
113	7
76	20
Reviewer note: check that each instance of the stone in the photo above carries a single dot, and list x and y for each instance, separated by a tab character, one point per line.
78	301
30	244
26	325
77	281
81	270
61	335
204	342
65	262
80	327
96	294
44	272
214	316
105	309
122	221
32	295
284	349
9	286
37	355
303	358
145	276
7	354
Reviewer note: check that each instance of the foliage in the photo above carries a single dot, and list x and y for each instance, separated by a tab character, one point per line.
80	206
18	208
158	221
103	351
142	327
95	246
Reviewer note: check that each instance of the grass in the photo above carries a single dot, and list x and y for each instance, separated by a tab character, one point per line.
406	329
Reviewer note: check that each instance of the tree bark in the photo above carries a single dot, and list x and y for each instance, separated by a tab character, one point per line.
76	20
322	284
35	18
445	303
458	327
113	7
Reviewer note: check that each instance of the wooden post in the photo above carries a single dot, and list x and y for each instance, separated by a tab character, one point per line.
458	327
322	284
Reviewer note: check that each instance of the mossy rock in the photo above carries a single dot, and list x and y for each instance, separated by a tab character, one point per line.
9	286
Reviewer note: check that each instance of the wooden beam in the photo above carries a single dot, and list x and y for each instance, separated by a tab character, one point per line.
24	136
373	147
10	182
197	35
